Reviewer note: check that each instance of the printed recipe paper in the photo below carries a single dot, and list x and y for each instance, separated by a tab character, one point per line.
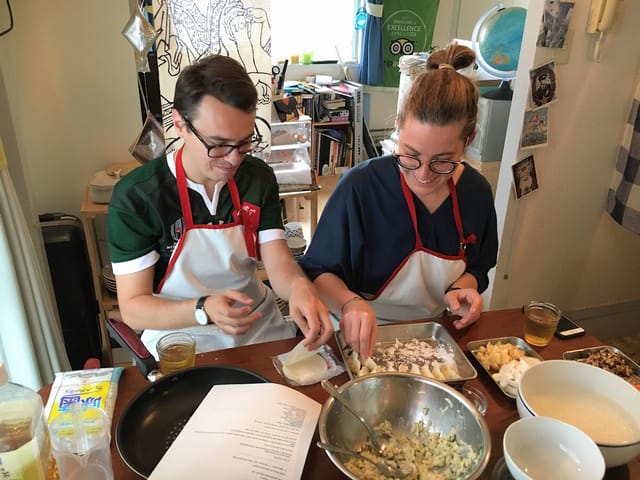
244	432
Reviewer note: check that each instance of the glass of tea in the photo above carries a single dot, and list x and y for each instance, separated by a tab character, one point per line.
540	322
176	350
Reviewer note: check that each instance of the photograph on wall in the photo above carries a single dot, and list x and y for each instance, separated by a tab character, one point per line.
555	24
525	179
535	128
543	84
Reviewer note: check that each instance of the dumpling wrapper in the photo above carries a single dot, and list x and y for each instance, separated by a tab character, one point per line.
304	367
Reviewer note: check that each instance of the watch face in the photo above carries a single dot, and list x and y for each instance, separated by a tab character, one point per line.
201	317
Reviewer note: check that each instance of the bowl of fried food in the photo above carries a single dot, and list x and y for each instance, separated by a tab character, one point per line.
599	403
433	428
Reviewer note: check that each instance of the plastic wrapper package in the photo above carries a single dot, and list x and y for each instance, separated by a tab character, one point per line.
334	366
94	388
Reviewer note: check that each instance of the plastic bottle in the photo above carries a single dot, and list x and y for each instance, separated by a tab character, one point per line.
24	436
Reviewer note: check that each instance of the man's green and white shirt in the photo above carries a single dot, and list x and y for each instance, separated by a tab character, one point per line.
145	219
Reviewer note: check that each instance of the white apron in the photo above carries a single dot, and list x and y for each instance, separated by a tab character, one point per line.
214	258
416	287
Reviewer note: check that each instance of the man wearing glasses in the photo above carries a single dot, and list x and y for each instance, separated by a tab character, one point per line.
186	230
407	235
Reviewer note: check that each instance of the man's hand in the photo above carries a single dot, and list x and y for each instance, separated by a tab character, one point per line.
309	313
465	302
232	319
359	326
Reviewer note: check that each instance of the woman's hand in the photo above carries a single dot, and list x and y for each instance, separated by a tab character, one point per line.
359	326
465	302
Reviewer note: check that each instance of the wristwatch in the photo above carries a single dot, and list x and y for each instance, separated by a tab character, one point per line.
200	313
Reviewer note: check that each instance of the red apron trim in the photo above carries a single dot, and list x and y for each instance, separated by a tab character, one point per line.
251	219
408	196
404	262
456	217
240	216
464	241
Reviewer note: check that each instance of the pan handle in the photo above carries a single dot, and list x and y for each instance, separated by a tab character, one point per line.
129	340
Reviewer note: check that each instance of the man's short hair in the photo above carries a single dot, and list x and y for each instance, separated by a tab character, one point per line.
219	76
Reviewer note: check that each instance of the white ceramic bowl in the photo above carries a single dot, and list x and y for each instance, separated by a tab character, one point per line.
543	447
603	405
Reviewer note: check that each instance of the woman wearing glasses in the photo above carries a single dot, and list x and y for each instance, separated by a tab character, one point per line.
407	235
186	230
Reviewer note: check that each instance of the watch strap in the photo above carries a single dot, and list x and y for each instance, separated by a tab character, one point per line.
200	302
200	307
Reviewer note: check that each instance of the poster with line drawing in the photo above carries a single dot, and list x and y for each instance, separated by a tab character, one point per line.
192	29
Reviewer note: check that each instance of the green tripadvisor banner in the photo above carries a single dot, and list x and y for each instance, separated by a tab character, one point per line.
407	27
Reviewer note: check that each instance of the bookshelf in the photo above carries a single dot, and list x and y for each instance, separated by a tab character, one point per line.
332	147
336	127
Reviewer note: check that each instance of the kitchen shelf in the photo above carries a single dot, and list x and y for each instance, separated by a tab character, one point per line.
107	301
290	146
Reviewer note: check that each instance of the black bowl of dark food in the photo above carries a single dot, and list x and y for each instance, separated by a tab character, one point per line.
154	418
434	427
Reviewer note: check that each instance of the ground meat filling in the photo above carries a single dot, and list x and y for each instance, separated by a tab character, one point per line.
612	362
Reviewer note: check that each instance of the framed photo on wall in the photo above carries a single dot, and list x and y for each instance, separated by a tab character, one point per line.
525	179
535	128
555	24
543	84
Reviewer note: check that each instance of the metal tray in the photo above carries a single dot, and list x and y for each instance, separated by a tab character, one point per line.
429	332
474	346
585	352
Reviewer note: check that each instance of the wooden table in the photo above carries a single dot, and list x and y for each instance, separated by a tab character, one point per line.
501	410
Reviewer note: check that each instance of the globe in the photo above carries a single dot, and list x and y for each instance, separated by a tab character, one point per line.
496	40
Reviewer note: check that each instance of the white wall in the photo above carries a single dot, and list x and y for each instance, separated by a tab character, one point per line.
70	81
558	243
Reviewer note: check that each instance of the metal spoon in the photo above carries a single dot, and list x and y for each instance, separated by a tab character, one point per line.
379	440
383	467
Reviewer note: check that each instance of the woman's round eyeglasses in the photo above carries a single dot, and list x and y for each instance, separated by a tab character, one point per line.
410	162
220	150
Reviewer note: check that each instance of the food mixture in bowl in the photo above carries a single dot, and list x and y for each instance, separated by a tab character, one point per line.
428	455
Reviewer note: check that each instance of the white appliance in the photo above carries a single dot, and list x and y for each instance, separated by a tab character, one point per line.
491	125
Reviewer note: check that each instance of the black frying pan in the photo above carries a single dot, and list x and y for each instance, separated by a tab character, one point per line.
154	418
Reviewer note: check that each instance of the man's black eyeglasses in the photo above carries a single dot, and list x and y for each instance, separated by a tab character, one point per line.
410	162
222	150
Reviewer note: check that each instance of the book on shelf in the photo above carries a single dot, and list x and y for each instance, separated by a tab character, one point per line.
353	91
333	150
334	104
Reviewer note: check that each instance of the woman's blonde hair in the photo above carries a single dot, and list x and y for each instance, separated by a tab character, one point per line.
440	95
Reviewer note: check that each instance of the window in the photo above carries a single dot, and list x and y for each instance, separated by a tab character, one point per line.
319	27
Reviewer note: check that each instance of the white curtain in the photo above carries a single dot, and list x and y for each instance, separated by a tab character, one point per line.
31	342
